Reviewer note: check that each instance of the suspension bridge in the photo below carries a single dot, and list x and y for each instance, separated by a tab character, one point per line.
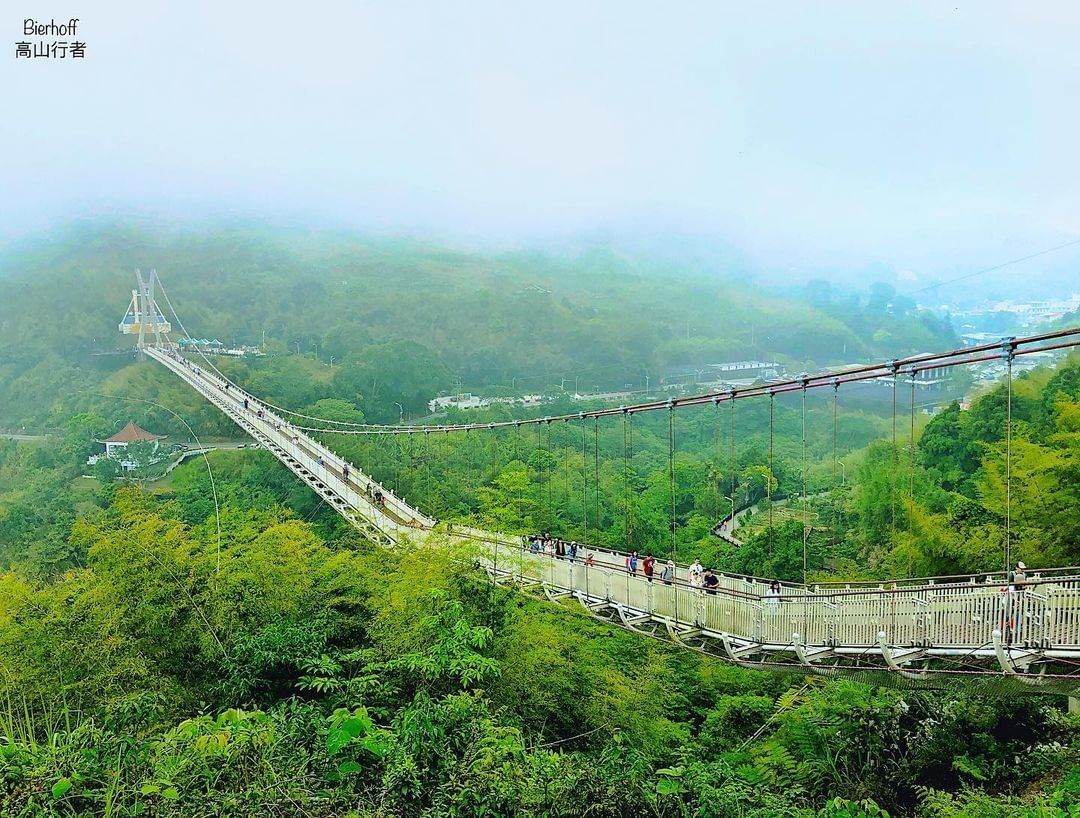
982	633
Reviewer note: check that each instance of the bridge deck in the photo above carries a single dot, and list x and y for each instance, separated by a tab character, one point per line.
928	633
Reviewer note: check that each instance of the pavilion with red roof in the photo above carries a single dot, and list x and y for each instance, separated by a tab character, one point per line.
115	445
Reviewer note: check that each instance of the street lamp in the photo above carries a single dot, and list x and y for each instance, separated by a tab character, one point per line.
331	361
401	412
297	347
843	473
731	519
316	351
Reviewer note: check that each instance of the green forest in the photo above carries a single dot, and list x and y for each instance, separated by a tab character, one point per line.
163	655
405	320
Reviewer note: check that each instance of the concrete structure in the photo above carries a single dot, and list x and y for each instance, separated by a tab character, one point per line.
465	400
745	370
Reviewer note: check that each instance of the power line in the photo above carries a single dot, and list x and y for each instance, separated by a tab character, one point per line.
1001	266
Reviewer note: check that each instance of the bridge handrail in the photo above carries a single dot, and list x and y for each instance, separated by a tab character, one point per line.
402	508
830	595
944	620
944	579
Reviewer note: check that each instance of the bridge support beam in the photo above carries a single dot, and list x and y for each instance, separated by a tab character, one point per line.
811	656
738	654
897	658
1016	662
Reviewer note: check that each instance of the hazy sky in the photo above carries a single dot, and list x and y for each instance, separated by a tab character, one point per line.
926	137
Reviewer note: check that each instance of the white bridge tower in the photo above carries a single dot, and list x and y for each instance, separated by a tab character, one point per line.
143	316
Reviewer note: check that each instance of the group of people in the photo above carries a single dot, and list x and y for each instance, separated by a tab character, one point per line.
555	547
702	578
648	567
698	577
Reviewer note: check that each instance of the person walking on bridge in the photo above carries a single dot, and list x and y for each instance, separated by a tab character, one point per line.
710	581
667	576
695	573
1018	577
648	566
1014	599
631	563
772	595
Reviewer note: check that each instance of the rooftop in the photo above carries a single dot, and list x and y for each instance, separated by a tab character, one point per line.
133	434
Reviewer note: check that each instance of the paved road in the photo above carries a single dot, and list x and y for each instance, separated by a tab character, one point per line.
12	436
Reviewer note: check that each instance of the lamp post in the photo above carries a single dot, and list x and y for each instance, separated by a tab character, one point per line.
316	351
331	361
401	413
731	519
297	347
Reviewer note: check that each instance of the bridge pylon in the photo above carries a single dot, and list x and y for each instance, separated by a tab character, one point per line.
143	316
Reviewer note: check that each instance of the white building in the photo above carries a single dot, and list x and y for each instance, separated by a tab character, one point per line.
116	446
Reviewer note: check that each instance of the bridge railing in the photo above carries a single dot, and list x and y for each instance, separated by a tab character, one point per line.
953	619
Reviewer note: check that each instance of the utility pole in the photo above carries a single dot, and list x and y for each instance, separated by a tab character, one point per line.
316	351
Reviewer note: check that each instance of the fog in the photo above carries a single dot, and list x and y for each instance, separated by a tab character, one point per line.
922	141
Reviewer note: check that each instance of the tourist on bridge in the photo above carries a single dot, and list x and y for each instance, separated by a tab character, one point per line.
571	552
667	575
710	581
772	595
696	573
1018	577
648	566
631	563
345	472
245	403
589	561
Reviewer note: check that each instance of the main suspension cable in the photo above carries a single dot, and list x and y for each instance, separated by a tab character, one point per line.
956	357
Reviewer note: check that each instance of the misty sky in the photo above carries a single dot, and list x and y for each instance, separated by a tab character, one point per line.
930	138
